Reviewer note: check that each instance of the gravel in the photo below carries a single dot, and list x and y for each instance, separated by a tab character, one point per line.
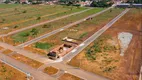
124	38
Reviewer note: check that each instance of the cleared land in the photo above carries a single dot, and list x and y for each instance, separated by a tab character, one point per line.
26	60
103	55
40	30
67	76
81	31
25	16
9	73
50	70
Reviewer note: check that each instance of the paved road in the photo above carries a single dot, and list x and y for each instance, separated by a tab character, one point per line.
59	30
78	49
38	75
48	21
78	72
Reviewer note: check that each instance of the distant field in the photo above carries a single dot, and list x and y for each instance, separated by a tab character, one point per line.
40	30
24	16
3	6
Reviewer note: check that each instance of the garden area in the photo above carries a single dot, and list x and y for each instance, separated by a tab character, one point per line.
29	34
32	14
9	73
80	31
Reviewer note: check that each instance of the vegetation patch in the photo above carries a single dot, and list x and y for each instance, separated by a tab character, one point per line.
83	35
99	47
43	45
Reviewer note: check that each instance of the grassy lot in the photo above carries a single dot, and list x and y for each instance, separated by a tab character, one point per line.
40	30
31	15
43	45
81	31
9	73
50	70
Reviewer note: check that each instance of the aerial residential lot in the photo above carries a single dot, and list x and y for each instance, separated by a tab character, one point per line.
80	31
29	34
59	42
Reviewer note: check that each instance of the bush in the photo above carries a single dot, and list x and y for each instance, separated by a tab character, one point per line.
34	31
38	18
3	20
46	26
24	11
16	26
106	3
25	34
83	35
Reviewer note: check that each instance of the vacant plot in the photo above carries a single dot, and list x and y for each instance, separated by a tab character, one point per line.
67	76
30	15
40	30
50	70
103	55
1	48
80	31
9	73
26	60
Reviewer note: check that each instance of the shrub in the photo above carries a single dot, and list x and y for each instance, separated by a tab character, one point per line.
24	11
38	18
83	35
26	34
46	26
34	31
16	26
